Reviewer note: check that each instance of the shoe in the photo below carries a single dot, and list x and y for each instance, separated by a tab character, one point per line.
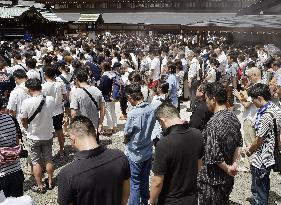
49	186
38	190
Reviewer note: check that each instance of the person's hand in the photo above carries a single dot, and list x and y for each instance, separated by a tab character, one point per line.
247	152
100	128
232	170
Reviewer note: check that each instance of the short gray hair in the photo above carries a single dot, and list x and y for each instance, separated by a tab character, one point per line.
82	127
167	111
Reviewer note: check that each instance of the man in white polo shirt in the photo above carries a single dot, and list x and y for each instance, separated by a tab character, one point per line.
18	95
58	91
37	118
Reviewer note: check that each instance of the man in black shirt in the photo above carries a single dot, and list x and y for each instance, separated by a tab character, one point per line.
201	115
177	160
98	176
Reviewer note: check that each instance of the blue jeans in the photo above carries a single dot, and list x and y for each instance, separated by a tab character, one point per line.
260	185
139	183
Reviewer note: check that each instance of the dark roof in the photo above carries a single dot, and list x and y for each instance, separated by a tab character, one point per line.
152	17
246	21
11	12
262	6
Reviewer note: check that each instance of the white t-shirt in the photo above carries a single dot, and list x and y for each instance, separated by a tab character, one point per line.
23	200
193	70
41	127
12	69
56	90
17	96
114	60
212	75
222	58
35	74
155	68
250	112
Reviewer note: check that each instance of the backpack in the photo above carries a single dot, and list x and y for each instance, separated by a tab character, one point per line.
116	88
240	73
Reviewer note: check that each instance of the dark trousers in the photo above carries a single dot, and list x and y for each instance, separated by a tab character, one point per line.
123	105
193	90
12	184
213	195
260	185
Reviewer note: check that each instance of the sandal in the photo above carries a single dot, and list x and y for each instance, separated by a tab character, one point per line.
49	186
38	190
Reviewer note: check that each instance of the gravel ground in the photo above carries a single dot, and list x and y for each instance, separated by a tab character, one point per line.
241	193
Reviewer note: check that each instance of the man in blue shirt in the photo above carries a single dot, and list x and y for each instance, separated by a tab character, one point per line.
138	130
173	84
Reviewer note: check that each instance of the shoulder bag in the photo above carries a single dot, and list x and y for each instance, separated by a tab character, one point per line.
38	110
92	98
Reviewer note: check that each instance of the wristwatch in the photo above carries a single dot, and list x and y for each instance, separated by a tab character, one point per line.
248	153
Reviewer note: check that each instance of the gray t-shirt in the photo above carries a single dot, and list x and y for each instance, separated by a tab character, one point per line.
81	101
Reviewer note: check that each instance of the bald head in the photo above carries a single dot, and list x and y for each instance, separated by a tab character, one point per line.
255	75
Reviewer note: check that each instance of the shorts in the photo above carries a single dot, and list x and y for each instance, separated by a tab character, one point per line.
58	122
40	150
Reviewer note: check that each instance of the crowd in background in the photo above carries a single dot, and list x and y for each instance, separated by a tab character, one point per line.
46	82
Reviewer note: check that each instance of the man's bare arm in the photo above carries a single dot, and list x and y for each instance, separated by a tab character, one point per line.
255	145
24	122
73	113
156	187
125	192
236	154
200	163
13	113
102	113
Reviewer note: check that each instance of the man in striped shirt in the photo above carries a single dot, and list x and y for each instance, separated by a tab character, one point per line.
11	175
262	148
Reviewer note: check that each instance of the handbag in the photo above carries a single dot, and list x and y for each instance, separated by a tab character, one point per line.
10	154
24	152
277	153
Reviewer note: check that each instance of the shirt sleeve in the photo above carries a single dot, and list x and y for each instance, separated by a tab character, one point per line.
197	117
23	111
161	160
65	195
129	126
201	150
126	168
12	104
53	106
213	151
74	102
63	88
264	125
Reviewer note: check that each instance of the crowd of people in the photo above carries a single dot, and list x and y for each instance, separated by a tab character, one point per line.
52	87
